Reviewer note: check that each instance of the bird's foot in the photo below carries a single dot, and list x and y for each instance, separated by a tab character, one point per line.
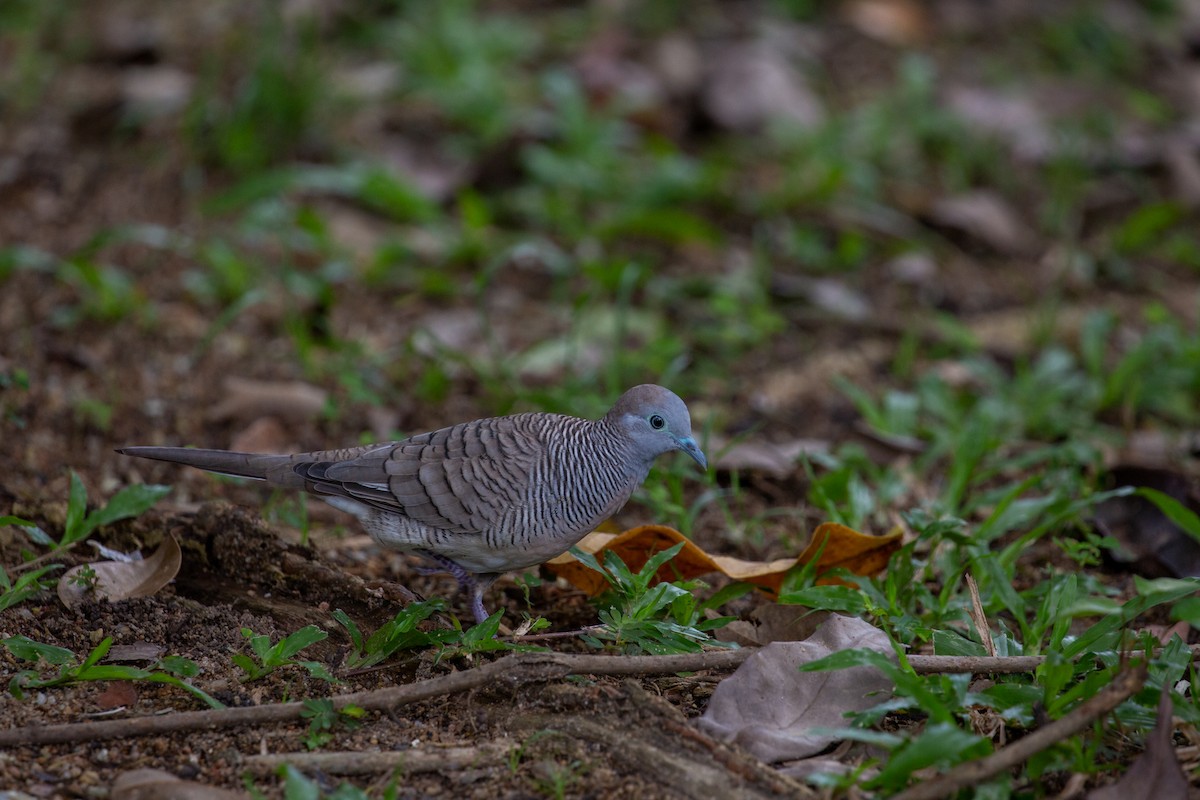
476	583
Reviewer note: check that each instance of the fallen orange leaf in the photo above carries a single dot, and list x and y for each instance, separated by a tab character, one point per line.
844	547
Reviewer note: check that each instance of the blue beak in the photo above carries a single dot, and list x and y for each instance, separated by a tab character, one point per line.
689	446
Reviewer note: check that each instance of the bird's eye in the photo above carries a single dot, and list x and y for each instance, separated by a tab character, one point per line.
657	422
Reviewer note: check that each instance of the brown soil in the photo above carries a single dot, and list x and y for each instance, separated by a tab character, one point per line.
155	373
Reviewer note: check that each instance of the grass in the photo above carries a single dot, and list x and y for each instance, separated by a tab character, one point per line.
268	657
638	617
642	253
172	670
132	501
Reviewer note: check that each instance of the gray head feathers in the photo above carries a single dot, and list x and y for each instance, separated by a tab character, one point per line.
656	421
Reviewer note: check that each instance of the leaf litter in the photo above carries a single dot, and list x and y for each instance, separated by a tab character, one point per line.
779	713
277	587
119	580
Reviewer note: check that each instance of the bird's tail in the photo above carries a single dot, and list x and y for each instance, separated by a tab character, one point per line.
271	468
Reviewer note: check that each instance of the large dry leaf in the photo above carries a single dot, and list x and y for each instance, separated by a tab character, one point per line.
843	547
157	784
772	622
1015	118
1157	772
118	580
774	458
988	217
247	399
263	435
771	708
1150	543
898	22
750	84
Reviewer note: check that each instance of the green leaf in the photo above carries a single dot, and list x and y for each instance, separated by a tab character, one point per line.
356	637
108	672
260	644
854	657
484	631
171	680
587	559
178	665
1186	519
248	665
27	649
650	568
727	594
942	744
318	670
27	584
132	501
828	598
1013	701
622	577
293	644
949	643
1150	594
391	195
98	653
76	509
296	786
1187	610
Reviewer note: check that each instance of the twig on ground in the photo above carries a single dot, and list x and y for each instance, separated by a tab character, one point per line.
537	637
971	773
516	669
425	759
931	665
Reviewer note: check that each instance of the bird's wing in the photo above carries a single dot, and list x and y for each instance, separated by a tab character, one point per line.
463	479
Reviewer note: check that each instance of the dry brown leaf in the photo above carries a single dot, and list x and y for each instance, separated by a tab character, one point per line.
844	547
1150	544
898	22
750	84
263	435
772	622
137	651
155	91
1179	157
116	695
118	580
249	399
779	713
157	784
774	458
1015	118
677	60
1157	772
988	217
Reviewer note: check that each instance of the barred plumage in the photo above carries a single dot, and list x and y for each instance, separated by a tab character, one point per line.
483	497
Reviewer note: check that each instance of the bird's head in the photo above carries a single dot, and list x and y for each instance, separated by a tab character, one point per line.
657	422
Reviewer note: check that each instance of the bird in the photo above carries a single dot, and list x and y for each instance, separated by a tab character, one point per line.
485	497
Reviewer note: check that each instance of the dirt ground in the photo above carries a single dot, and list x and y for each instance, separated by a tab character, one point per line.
606	737
158	376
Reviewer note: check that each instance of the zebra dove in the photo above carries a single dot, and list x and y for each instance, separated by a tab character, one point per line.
485	497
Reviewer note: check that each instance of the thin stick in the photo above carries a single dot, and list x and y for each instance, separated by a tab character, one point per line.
979	618
538	637
930	665
514	670
413	760
971	773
